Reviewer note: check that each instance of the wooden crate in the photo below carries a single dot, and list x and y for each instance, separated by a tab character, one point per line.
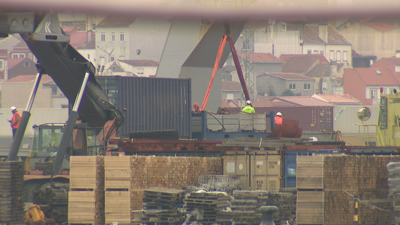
86	207
118	172
309	172
87	172
310	207
120	205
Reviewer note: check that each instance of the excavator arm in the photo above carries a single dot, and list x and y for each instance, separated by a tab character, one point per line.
72	73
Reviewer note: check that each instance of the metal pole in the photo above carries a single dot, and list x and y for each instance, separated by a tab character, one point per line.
69	127
12	155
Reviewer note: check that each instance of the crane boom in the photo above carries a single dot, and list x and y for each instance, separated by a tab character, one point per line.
72	73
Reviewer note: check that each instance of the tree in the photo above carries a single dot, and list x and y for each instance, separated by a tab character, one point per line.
287	92
271	91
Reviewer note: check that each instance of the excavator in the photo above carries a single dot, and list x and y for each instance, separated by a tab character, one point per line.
388	128
91	117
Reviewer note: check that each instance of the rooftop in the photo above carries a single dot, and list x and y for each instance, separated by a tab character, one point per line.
231	86
261	57
288	76
28	79
338	98
144	62
302	100
300	63
311	36
116	21
373	76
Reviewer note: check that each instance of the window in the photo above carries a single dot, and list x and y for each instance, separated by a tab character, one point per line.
378	72
103	37
332	55
345	56
22	55
122	37
53	90
229	96
323	85
397	68
308	51
88	56
321	52
140	71
112	58
113	36
284	27
14	56
292	86
315	51
307	86
338	56
373	93
27	64
1	64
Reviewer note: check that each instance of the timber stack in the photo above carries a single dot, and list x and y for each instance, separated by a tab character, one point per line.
212	205
246	205
160	205
394	189
11	192
334	182
86	195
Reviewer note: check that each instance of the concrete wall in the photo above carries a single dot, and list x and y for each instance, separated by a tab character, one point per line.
266	82
38	116
17	94
118	48
368	41
90	55
347	120
284	42
314	47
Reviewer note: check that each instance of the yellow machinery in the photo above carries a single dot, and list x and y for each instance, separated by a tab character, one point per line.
388	128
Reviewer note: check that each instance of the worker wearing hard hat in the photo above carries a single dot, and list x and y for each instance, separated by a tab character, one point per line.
15	120
248	108
278	118
196	108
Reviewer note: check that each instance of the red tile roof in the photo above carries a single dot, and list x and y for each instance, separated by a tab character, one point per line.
78	38
3	52
288	76
299	63
70	29
320	70
231	86
261	57
116	21
14	61
393	61
379	26
302	100
369	76
339	98
144	62
28	79
311	36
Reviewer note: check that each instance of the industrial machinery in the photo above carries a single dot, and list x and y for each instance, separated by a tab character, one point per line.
388	128
92	119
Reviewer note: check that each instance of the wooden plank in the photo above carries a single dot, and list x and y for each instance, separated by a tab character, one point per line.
87	172
310	207
118	172
86	207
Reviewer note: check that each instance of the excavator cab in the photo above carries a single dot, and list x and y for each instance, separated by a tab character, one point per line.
47	137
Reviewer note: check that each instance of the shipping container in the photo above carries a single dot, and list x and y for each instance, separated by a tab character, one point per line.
314	118
257	170
150	104
289	164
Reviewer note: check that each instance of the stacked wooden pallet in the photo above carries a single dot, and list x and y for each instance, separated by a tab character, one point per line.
11	192
161	206
246	205
309	182
394	189
212	204
86	195
118	186
336	182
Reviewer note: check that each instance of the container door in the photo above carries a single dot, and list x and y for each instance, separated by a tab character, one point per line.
238	165
265	171
290	171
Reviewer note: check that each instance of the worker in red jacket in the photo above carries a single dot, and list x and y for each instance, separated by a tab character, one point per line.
278	118
15	120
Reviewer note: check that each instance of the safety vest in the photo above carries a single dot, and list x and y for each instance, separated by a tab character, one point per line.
248	109
13	119
278	120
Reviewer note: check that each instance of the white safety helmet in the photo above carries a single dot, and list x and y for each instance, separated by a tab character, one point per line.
13	108
279	114
248	102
